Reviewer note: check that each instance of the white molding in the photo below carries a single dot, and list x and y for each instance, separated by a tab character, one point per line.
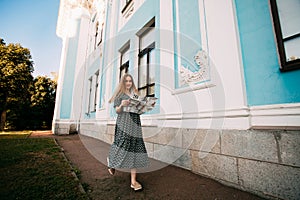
279	116
203	24
235	118
60	81
276	106
229	113
63	121
178	48
193	88
239	50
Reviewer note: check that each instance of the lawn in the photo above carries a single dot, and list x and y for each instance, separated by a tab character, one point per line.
34	168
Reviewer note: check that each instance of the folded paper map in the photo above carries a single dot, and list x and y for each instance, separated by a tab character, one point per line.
140	105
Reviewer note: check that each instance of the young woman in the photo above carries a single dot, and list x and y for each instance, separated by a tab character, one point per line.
128	149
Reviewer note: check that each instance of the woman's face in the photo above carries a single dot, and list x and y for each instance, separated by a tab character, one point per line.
128	82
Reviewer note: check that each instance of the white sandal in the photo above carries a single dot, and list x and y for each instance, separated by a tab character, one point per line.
111	171
136	186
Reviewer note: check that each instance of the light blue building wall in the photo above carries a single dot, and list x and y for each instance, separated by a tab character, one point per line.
265	84
147	11
69	75
103	61
187	35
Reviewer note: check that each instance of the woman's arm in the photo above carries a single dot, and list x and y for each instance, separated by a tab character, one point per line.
119	108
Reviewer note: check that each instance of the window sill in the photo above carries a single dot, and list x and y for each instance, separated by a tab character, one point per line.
192	88
291	65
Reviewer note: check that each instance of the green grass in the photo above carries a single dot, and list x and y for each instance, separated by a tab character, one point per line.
33	168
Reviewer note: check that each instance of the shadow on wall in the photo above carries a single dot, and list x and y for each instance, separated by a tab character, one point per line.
73	129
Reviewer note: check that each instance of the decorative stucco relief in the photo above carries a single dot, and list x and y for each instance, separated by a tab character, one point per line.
68	6
188	77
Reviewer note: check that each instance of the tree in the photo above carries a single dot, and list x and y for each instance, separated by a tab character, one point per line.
16	67
43	93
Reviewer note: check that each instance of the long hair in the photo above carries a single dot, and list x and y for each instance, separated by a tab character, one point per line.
122	89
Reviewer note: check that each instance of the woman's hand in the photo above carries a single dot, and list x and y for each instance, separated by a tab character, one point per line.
125	102
119	109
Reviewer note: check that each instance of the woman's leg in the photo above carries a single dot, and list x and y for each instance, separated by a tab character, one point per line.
133	176
134	184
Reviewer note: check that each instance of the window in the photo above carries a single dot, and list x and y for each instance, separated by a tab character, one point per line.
93	87
99	34
124	69
146	69
124	62
286	18
96	89
90	94
146	72
126	4
95	33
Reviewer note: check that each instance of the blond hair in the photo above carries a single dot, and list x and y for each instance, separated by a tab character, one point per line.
121	89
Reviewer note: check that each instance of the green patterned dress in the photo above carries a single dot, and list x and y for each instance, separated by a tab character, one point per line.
128	149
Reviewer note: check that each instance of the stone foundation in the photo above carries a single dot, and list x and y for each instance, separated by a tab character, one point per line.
65	128
263	162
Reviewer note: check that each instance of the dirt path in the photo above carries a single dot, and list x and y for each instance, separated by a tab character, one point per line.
167	183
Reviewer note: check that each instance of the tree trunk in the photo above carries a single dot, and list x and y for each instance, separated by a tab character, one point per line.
3	120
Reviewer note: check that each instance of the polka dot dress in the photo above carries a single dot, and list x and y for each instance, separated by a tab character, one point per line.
128	149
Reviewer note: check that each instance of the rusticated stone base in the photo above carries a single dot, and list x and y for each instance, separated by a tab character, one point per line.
264	162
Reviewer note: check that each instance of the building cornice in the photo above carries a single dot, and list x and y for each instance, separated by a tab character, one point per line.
65	13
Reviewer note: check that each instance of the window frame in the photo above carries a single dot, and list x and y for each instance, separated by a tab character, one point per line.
125	66
90	81
284	64
141	33
127	3
122	67
96	90
143	52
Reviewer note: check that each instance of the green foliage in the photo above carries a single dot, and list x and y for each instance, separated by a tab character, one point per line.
2	41
16	67
25	103
43	92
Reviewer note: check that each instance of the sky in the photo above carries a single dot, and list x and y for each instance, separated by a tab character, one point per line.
32	23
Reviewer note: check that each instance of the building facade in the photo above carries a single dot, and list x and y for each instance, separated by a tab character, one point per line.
226	75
